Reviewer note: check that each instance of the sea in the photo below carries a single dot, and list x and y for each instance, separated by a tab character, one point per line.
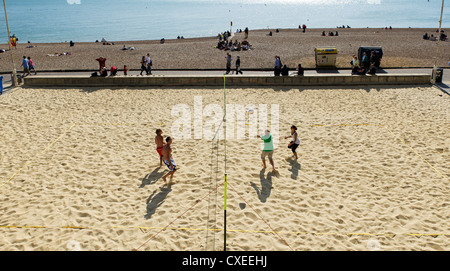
122	20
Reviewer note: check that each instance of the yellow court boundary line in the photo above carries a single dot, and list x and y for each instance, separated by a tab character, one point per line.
32	159
349	234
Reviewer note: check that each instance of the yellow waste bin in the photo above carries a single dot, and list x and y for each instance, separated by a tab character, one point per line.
325	56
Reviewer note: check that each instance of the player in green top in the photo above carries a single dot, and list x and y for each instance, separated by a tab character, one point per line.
268	149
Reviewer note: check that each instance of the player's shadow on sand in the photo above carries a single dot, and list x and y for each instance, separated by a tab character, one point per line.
295	168
152	177
266	185
156	200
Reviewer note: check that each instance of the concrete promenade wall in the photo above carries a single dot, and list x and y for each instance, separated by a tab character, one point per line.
231	81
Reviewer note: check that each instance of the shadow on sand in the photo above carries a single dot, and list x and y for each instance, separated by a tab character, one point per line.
152	178
156	200
266	185
295	167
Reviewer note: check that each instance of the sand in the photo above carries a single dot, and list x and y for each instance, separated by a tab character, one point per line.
79	171
402	48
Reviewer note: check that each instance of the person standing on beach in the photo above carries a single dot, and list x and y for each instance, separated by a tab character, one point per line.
159	141
268	149
168	159
101	62
238	65
228	63
246	33
26	66
295	142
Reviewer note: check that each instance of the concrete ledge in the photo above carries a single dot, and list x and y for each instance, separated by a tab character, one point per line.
231	81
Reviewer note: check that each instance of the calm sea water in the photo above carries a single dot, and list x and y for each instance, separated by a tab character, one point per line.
117	20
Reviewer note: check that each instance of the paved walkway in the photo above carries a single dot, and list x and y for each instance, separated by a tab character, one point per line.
445	86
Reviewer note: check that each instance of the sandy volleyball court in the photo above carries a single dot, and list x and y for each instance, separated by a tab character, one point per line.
79	170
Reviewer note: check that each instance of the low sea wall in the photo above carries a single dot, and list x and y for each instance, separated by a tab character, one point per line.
230	81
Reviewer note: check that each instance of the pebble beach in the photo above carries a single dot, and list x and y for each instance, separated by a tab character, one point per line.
402	48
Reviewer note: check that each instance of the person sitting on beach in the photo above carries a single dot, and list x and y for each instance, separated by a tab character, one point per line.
168	159
104	72
355	61
113	71
426	37
372	70
359	71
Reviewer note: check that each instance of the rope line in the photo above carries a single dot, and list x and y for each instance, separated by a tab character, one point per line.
273	231
178	217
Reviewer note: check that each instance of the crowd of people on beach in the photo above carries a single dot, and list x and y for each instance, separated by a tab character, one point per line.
432	37
226	44
331	34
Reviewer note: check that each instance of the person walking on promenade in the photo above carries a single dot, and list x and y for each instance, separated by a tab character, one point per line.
277	69
228	57
31	65
143	65
238	65
26	66
149	64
